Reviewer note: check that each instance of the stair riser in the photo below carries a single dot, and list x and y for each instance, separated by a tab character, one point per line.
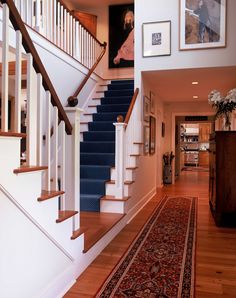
92	187
83	127
120	86
95	173
122	82
102	88
118	93
91	110
90	205
97	126
97	160
9	154
116	100
129	175
97	147
132	162
86	118
101	136
111	190
107	116
112	206
111	108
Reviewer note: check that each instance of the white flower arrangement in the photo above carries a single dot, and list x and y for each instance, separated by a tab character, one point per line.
223	105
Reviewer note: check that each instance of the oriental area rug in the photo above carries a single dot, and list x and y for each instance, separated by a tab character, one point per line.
161	260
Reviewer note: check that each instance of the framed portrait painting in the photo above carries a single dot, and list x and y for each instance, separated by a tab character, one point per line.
157	39
202	24
121	35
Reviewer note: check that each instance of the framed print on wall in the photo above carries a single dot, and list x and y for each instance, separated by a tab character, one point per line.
202	24
146	108
156	39
146	139
152	145
121	35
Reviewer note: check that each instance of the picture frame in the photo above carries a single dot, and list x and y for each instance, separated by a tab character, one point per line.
146	139
121	34
157	39
152	146
152	103
197	32
146	108
163	129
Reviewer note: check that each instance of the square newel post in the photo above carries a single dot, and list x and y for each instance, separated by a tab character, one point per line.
120	159
73	164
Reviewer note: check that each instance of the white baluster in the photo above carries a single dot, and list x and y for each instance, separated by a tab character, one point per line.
31	121
74	38
119	159
55	21
48	140
62	26
38	16
71	35
5	58
58	24
18	78
63	162
67	32
55	149
39	119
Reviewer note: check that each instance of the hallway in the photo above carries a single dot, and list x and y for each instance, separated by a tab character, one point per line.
215	255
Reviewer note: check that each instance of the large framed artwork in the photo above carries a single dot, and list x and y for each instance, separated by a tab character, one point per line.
157	39
121	35
202	24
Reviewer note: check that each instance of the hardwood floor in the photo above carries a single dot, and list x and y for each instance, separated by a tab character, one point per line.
215	254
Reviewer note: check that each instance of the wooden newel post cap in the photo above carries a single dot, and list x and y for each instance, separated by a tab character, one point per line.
120	118
72	101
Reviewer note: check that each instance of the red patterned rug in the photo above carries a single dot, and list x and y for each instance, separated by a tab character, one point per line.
161	260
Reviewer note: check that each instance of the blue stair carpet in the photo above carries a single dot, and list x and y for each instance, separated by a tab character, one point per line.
98	147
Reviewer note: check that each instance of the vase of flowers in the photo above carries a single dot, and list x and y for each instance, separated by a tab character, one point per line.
224	106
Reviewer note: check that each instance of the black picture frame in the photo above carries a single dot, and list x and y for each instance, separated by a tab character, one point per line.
152	139
118	34
163	129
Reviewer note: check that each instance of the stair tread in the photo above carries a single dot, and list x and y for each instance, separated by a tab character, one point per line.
97	153
131	168
113	198
94	196
12	134
46	195
25	169
126	182
63	215
92	179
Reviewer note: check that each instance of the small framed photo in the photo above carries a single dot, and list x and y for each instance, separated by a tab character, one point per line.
156	39
146	108
146	139
152	145
162	129
152	102
202	24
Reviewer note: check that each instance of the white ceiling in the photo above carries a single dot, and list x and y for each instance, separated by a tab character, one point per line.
176	85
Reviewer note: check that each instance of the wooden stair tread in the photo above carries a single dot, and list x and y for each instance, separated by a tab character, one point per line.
138	143
63	215
92	106
12	134
126	182
46	195
131	168
100	91
95	225
137	154
25	169
88	114
96	98
112	198
83	122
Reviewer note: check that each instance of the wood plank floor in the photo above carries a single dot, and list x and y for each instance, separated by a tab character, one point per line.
216	247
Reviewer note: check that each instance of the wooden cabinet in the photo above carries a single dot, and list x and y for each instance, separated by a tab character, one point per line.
89	21
203	159
204	132
222	180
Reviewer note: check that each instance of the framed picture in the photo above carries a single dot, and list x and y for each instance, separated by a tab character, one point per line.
146	139
121	35
152	145
162	129
156	39
202	24
146	108
152	103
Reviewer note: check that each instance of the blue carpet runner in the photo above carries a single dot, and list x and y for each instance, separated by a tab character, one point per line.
98	147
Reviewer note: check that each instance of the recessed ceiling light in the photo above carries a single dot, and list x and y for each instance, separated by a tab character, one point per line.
195	96
194	83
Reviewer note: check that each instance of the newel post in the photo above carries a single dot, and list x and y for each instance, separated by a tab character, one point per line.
120	158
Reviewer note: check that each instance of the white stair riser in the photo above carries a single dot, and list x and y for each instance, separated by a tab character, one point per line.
83	127
95	101
101	88
112	206
9	153
91	110
132	161
111	190
129	175
86	118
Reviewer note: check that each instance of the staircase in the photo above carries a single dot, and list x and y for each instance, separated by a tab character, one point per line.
97	155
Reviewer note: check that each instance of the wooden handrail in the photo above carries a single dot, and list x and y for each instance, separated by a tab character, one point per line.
37	63
75	17
72	100
131	106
